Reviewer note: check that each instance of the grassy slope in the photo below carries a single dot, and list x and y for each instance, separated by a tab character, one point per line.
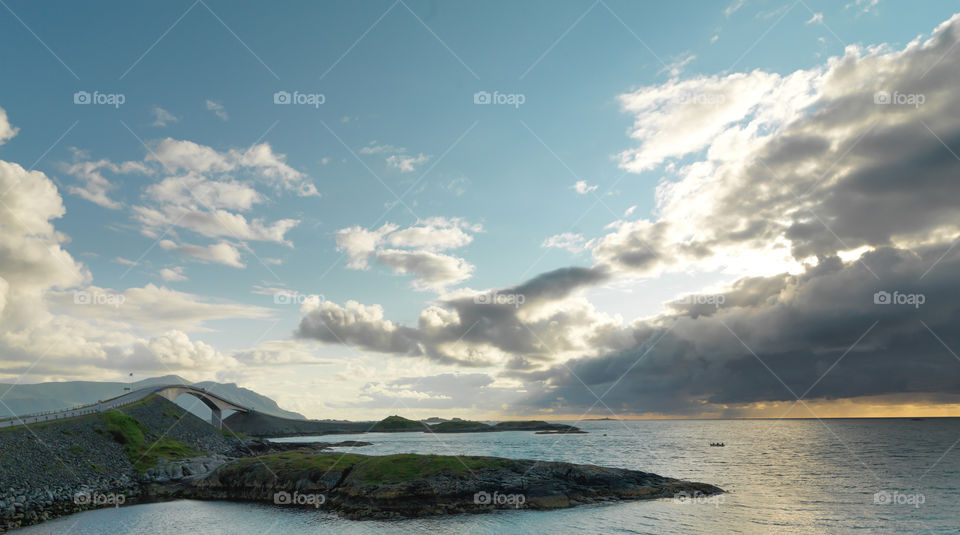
370	470
459	425
129	432
406	466
397	423
521	425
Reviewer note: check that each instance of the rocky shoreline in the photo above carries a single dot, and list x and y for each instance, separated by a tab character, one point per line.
155	451
409	485
359	487
62	467
257	424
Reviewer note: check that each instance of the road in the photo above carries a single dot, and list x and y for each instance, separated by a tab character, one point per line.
120	401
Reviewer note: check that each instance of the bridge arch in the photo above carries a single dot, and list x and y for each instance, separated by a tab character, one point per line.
216	403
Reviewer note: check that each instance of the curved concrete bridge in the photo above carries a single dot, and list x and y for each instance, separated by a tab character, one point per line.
216	404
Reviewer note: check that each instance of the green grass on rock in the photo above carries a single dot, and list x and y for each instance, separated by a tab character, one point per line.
129	432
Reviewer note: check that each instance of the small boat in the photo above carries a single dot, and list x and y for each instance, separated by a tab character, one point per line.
717	444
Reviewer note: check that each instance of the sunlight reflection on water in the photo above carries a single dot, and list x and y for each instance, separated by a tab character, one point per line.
794	476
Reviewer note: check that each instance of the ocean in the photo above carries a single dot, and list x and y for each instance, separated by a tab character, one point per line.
787	476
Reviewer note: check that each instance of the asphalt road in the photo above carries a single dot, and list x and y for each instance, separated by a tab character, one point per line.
126	399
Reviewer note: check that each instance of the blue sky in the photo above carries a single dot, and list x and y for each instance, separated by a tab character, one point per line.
398	118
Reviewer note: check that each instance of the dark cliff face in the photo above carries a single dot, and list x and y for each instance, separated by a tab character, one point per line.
409	485
258	424
532	425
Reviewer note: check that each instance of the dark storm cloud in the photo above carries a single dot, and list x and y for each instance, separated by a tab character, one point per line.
358	325
799	327
825	162
559	283
873	160
474	330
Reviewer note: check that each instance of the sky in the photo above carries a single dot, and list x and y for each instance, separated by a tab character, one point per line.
558	209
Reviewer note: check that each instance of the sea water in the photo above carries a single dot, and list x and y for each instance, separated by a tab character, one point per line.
787	476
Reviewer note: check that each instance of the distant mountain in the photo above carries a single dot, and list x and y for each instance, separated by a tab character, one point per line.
265	425
248	398
461	426
24	399
434	420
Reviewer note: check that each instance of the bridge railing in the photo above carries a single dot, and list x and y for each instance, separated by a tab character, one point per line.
101	403
47	413
68	409
206	392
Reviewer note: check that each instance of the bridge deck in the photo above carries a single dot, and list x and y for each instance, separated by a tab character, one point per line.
214	401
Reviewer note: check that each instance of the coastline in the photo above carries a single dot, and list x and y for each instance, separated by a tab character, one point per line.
154	451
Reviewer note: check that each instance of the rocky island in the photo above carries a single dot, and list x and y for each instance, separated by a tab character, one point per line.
266	425
153	450
411	485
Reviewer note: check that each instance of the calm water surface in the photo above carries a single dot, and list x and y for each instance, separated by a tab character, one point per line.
793	476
